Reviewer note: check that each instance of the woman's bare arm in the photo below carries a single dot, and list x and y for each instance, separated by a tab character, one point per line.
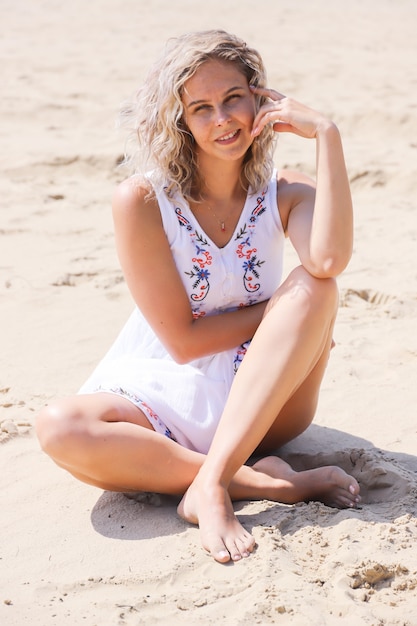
318	218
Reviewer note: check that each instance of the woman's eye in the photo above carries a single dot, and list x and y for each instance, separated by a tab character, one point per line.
206	107
202	107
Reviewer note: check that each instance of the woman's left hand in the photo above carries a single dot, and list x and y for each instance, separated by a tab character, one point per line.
287	115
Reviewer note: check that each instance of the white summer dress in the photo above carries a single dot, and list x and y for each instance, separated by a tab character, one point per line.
185	401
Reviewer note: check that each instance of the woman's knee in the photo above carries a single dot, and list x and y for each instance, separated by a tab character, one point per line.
322	286
58	427
307	291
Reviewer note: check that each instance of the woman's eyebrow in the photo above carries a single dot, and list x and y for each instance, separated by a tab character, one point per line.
194	102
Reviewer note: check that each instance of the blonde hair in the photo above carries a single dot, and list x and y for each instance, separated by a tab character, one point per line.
162	143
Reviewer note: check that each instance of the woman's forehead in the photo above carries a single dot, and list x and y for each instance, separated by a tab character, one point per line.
213	74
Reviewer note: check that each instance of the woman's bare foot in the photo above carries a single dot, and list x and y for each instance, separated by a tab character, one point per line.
330	484
221	533
210	506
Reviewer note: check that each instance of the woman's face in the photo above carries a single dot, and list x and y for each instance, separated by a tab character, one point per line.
219	110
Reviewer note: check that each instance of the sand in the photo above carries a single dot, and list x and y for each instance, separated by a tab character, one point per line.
72	554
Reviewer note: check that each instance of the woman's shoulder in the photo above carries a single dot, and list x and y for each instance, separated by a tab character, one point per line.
135	204
134	195
133	192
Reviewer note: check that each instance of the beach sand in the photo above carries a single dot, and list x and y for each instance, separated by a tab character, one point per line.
72	554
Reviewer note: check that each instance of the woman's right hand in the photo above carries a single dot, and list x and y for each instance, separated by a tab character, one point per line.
287	115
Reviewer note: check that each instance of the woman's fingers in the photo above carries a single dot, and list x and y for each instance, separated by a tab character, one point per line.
285	115
268	93
269	112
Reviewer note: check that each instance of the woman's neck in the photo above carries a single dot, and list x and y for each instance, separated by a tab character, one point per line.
220	182
219	198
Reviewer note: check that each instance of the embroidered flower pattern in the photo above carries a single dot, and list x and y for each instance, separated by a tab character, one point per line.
251	264
240	353
153	417
182	220
199	272
202	260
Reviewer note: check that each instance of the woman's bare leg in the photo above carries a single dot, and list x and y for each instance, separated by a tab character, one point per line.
104	440
280	376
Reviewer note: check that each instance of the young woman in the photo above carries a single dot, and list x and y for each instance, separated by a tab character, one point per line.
220	358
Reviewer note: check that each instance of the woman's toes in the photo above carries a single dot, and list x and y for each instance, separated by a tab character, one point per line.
245	547
222	556
217	550
233	549
246	543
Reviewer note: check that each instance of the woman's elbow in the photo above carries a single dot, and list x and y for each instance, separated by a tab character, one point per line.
181	352
181	343
180	357
330	267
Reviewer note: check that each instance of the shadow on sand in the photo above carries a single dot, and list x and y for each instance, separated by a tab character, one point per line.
385	478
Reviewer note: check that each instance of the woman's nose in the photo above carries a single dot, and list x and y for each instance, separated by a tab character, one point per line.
222	115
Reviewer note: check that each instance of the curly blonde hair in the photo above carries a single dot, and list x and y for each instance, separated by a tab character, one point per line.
162	143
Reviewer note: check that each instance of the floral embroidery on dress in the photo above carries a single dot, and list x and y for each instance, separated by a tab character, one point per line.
259	209
249	302
141	404
245	250
240	353
197	314
199	273
182	220
251	266
203	258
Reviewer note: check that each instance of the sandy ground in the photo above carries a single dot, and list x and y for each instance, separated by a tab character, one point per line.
71	554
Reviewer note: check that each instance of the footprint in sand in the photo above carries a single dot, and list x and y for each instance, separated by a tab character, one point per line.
73	279
370	296
390	305
380	479
369	178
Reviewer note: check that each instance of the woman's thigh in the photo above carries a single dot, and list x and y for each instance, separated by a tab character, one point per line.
72	419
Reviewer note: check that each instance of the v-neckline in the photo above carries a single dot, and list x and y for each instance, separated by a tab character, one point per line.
232	237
